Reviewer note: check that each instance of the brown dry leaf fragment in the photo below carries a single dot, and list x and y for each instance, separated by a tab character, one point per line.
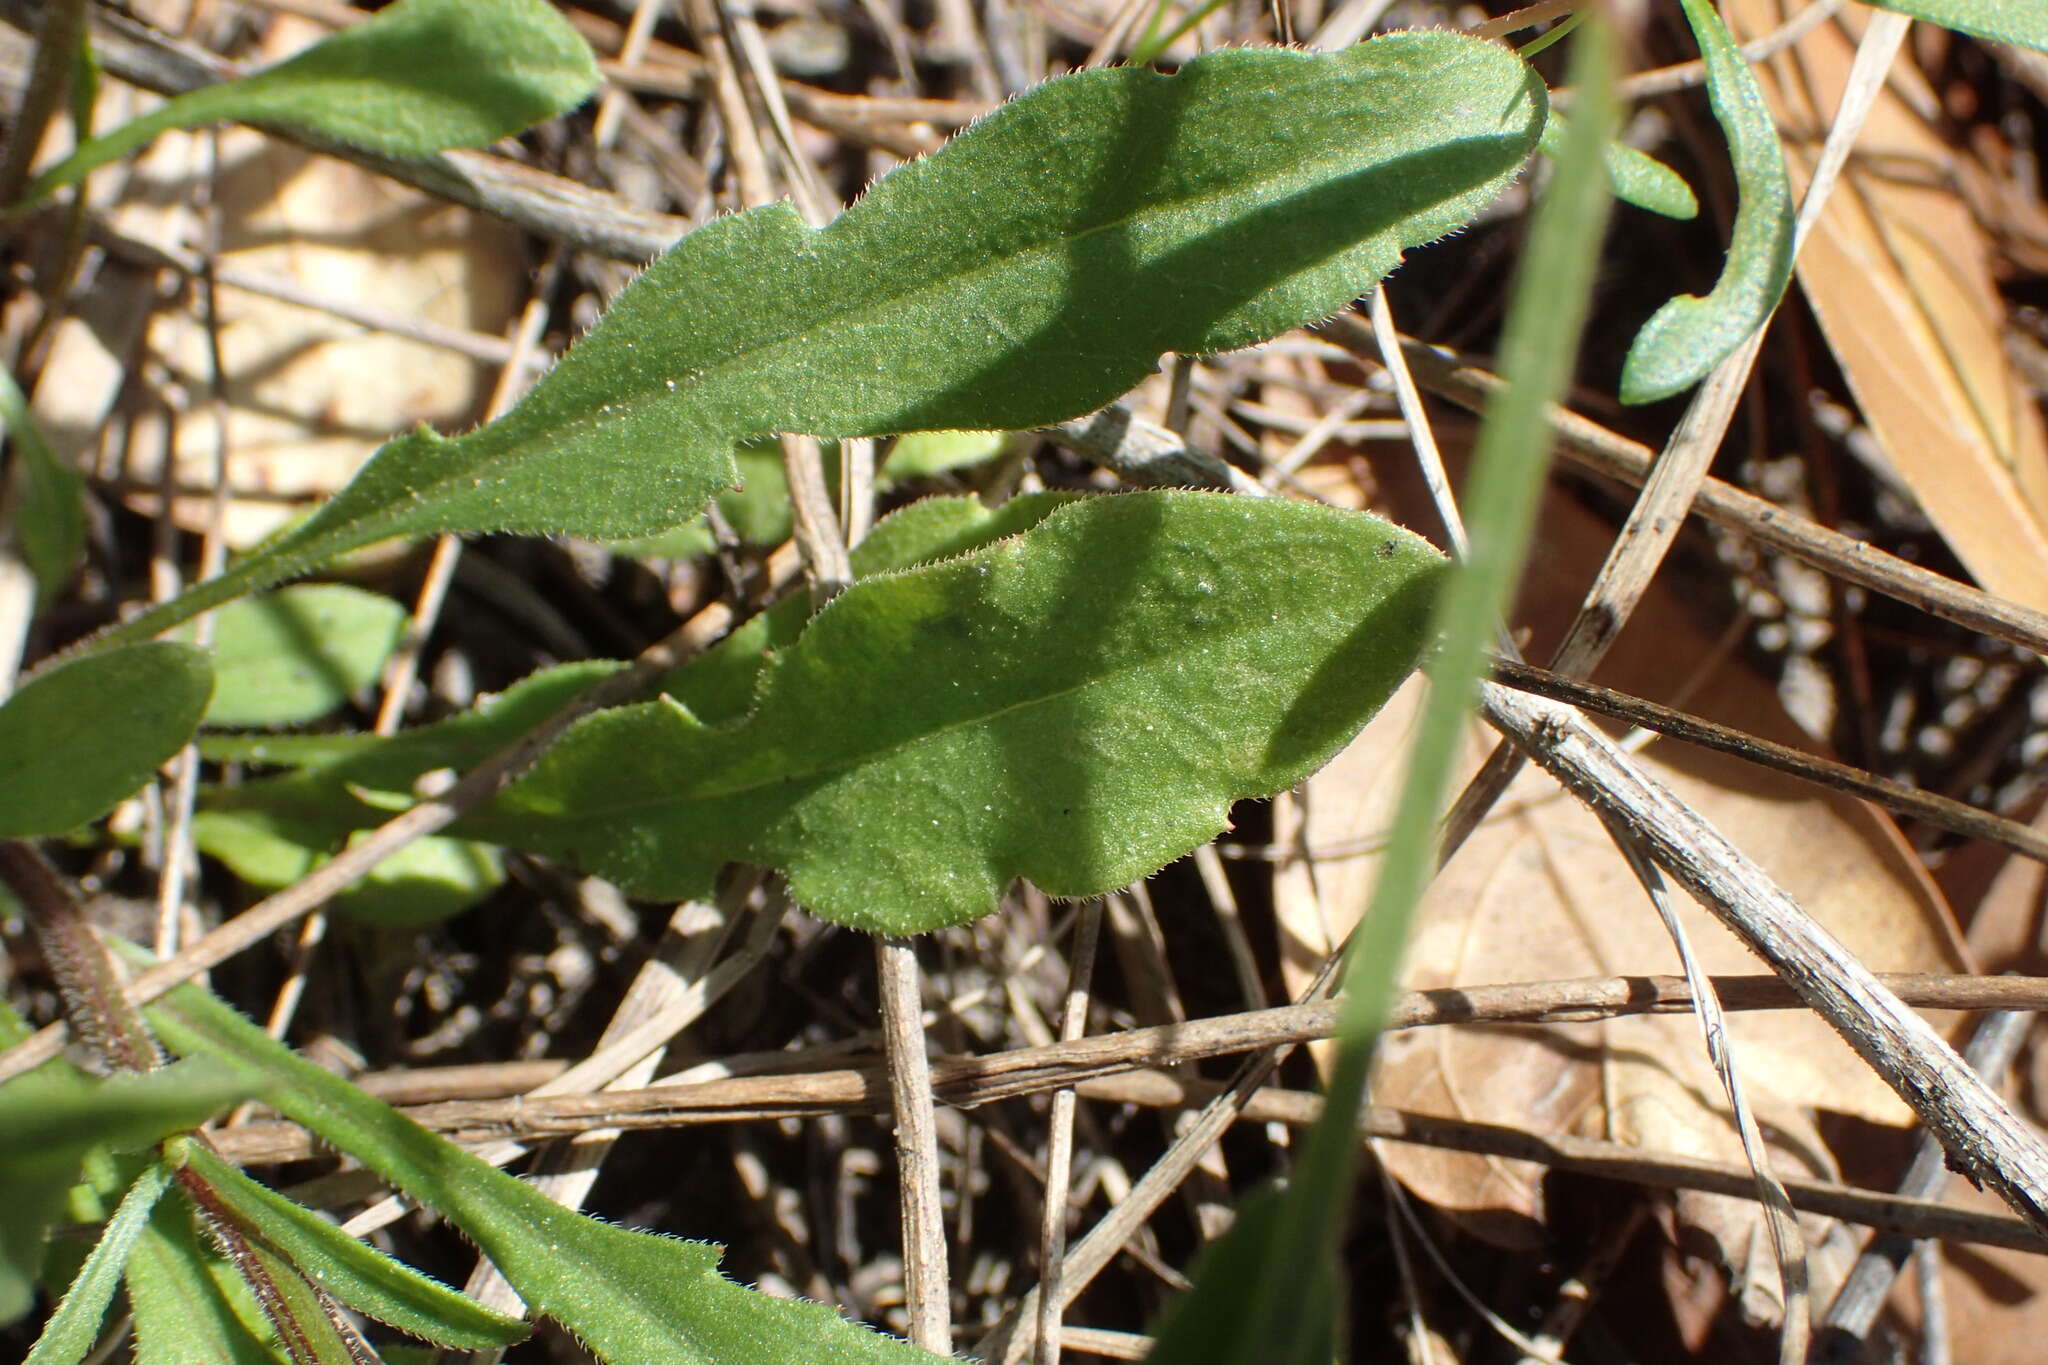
309	396
1899	273
1539	892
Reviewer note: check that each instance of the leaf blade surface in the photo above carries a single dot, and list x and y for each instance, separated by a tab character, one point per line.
1078	705
1032	270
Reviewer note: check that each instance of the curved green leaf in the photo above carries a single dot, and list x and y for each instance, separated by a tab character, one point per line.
50	518
1031	270
190	1307
86	734
1686	338
419	77
423	883
631	1297
365	1279
71	1329
1078	705
1635	177
2024	22
292	656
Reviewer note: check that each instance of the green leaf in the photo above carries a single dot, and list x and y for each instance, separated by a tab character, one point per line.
632	1298
1115	214
53	1118
425	882
1078	705
418	78
1635	177
86	734
923	454
366	1280
2024	22
292	656
190	1306
49	520
70	1331
1689	335
311	809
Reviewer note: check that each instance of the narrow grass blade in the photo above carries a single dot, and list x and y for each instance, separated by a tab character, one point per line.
1283	1310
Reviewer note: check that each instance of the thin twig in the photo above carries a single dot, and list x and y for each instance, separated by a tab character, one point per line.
1059	1143
927	1296
1940	811
1990	1052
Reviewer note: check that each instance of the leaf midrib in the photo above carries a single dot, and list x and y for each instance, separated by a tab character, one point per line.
870	757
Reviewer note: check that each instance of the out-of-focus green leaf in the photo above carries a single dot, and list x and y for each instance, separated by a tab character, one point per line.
923	454
1635	177
1116	214
2024	22
416	78
1686	338
1078	705
632	1298
49	520
425	882
86	734
292	656
70	1331
52	1118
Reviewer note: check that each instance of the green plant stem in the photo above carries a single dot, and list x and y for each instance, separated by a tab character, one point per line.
1551	297
91	988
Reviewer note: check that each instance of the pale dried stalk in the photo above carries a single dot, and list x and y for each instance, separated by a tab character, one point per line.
1788	1246
1983	1137
927	1298
1059	1145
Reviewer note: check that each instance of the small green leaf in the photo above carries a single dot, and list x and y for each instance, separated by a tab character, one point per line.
1116	214
190	1307
366	1280
69	1333
1636	177
2024	22
923	454
86	734
425	882
1078	705
630	1297
419	77
50	518
1686	338
292	656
